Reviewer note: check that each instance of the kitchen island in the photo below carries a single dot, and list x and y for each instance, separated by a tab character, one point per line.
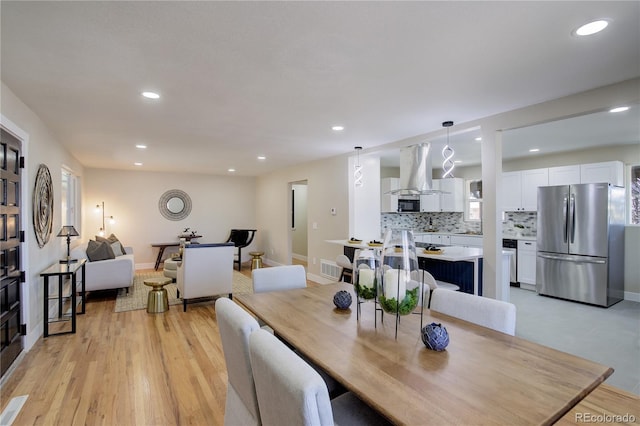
457	265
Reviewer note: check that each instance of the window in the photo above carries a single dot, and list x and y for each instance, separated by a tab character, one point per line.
635	195
69	199
473	198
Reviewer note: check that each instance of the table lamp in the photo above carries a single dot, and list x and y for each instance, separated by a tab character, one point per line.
68	231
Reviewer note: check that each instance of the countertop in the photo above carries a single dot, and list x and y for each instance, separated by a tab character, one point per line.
459	234
449	253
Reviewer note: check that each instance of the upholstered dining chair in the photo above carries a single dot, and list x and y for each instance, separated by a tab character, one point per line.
235	326
291	392
206	270
495	314
430	284
241	238
277	278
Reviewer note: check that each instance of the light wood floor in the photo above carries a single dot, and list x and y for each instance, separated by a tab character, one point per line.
128	368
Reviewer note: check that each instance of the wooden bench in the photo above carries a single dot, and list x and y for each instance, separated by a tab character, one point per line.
605	405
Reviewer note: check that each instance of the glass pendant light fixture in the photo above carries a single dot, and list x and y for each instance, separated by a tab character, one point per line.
447	154
357	169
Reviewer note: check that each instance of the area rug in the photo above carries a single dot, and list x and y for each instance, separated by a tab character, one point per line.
136	298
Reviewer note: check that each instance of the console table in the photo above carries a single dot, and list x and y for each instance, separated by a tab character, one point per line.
162	246
65	296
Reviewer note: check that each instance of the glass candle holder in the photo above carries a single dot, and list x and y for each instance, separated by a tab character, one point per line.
397	286
365	267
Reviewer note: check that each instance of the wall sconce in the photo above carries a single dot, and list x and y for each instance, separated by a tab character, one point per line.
357	168
111	219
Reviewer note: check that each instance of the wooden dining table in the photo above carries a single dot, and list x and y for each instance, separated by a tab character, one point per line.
482	377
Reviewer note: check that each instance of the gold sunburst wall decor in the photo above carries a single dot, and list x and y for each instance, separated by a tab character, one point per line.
43	206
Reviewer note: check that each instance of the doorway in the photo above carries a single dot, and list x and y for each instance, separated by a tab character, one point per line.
298	225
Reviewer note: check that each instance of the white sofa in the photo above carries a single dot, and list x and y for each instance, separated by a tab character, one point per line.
107	274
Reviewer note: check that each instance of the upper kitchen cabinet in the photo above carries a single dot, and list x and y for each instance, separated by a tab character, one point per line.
609	171
451	201
389	202
564	175
520	189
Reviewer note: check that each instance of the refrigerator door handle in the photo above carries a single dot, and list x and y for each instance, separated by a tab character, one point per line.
572	218
571	259
565	204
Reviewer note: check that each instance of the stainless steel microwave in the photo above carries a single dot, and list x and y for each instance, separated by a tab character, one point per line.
408	205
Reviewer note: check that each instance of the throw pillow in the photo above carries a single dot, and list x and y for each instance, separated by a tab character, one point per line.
99	250
116	245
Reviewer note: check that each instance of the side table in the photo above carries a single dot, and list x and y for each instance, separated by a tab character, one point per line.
65	296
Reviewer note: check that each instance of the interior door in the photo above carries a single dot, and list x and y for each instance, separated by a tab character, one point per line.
10	240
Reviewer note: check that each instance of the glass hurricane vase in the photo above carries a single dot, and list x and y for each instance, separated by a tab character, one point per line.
397	285
365	267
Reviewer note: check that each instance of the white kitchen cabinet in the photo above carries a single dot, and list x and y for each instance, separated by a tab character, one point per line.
608	171
466	240
452	201
564	175
526	262
389	202
445	240
520	189
431	202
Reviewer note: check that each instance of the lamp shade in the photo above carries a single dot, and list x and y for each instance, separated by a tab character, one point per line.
68	231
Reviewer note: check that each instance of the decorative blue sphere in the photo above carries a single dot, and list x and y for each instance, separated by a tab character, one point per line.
342	299
435	336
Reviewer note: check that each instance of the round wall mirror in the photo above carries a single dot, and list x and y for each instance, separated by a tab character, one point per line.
175	204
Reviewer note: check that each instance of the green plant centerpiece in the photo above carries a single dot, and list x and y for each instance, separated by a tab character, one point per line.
408	304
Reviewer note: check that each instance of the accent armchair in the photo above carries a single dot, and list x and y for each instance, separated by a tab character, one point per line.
241	238
206	270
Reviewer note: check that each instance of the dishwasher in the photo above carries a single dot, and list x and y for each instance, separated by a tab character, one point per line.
511	246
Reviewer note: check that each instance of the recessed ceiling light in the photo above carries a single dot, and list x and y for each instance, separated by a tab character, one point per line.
534	150
137	164
231	170
140	146
151	95
478	139
592	27
261	157
337	128
619	109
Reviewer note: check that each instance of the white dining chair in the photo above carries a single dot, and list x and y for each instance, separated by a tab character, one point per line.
235	326
495	314
346	268
291	392
278	278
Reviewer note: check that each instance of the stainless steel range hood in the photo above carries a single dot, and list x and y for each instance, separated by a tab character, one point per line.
415	171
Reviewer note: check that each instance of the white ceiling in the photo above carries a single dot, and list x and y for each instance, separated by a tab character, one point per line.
242	79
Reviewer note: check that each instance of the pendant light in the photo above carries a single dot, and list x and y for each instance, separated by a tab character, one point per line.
357	168
447	154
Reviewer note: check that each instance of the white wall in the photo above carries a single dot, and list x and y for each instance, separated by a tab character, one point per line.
326	188
40	147
299	232
219	203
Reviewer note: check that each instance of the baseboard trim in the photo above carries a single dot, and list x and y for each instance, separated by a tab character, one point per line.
319	279
634	297
299	257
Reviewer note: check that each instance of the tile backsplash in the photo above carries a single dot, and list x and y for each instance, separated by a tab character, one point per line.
454	222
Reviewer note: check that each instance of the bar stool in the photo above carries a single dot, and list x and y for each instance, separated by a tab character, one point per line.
256	259
347	268
158	300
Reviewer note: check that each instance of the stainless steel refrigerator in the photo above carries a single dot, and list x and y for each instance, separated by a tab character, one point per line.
580	243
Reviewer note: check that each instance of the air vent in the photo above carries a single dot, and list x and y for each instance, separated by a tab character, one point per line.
329	269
